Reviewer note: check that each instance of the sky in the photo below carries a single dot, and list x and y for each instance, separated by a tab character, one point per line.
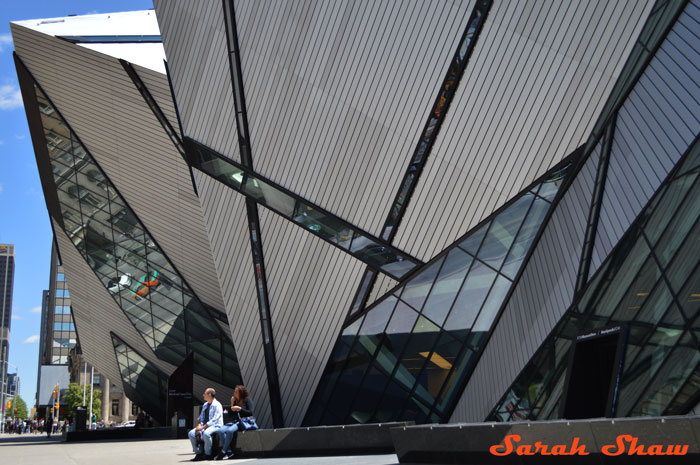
24	220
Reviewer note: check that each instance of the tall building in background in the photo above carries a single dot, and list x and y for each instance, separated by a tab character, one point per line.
57	337
433	211
7	276
60	361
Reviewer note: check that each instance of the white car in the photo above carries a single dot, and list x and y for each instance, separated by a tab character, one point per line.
118	284
127	424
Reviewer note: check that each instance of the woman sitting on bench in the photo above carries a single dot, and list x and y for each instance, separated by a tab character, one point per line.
240	416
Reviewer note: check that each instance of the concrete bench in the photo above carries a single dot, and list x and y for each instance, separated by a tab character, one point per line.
471	443
316	441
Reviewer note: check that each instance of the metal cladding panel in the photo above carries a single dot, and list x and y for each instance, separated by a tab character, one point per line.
310	285
194	38
157	85
102	105
654	128
537	79
227	224
223	393
541	296
337	93
96	314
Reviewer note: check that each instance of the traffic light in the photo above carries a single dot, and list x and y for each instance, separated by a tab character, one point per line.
9	404
56	406
55	391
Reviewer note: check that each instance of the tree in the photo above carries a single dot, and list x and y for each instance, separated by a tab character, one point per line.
21	407
73	397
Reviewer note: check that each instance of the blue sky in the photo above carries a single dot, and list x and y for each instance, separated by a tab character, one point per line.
24	220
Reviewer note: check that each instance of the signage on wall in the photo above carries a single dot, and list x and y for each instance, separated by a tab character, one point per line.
599	332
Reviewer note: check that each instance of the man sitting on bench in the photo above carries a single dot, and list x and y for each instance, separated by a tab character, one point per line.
210	420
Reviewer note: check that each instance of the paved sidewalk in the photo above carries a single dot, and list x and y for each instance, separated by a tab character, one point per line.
33	449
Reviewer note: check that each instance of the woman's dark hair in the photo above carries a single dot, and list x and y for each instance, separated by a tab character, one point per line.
243	393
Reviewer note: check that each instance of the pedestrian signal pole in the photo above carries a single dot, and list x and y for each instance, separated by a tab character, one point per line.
55	401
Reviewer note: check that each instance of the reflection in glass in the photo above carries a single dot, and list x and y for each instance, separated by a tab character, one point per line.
125	258
416	290
144	383
441	317
502	232
650	282
378	254
447	285
473	293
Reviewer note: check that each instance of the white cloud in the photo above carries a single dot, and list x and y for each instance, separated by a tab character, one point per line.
35	310
0	188
17	317
20	136
10	97
31	339
2	141
5	39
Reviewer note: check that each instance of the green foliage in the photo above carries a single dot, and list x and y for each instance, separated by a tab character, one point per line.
73	397
21	407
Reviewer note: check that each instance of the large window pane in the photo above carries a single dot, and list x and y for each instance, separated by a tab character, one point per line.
471	297
439	364
502	232
682	228
491	306
371	392
447	285
472	243
527	234
663	208
417	289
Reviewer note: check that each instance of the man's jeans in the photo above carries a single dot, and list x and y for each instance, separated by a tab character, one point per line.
206	438
226	433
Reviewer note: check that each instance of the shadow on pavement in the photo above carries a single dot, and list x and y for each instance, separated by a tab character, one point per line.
28	439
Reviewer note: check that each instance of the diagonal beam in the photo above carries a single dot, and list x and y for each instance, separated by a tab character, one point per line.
253	218
408	185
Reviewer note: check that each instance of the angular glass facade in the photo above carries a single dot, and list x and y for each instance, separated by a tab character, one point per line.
406	356
650	283
374	252
131	266
143	383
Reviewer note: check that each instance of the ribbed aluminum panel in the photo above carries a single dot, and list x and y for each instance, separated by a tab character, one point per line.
310	285
542	295
194	38
338	92
158	86
536	81
102	105
223	393
227	225
654	128
96	314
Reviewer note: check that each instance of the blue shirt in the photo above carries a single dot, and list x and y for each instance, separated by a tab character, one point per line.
215	414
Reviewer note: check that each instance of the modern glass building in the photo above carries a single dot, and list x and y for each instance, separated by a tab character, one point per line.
374	211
